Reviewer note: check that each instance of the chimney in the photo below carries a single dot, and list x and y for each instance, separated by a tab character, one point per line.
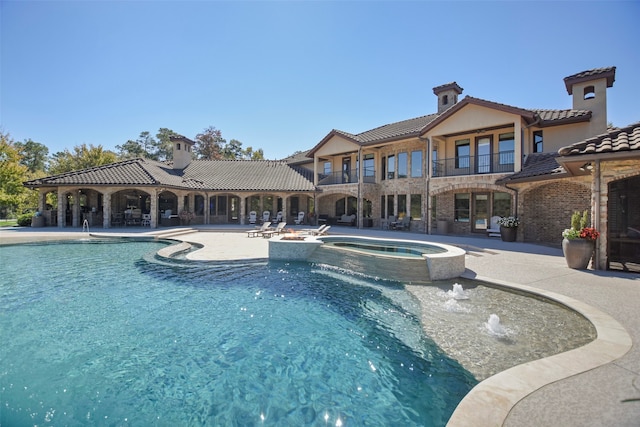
447	95
589	91
181	151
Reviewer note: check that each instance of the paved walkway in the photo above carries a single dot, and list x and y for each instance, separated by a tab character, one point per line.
606	395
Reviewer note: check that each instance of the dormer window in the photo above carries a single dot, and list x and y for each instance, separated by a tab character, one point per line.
445	99
589	92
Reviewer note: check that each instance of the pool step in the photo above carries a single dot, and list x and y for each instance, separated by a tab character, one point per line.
173	232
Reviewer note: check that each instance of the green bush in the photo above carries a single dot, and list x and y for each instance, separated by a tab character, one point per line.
25	220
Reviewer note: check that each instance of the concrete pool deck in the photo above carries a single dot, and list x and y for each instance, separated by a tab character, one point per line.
607	392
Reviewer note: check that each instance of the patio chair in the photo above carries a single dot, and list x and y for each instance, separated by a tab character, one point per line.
494	227
266	216
315	231
279	217
405	224
259	230
300	218
271	231
146	220
253	217
116	219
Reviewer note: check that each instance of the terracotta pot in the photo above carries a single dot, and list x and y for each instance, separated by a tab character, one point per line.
508	234
577	252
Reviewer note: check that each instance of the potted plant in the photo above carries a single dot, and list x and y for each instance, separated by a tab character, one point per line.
578	242
186	217
509	228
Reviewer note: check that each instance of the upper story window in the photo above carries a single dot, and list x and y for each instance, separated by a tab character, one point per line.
327	168
506	143
368	165
391	166
463	151
383	167
416	164
537	141
589	92
178	146
445	99
403	165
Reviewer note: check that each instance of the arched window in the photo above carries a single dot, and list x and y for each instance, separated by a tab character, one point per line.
589	92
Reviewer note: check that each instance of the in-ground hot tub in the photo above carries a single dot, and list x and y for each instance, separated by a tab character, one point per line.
403	260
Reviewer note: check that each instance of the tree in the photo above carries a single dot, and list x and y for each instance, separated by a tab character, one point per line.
33	155
253	155
209	144
145	146
12	175
233	150
164	150
82	157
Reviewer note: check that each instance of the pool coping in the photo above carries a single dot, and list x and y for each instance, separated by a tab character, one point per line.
490	402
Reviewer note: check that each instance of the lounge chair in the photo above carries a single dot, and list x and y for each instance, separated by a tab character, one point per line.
258	231
300	218
315	231
494	227
271	231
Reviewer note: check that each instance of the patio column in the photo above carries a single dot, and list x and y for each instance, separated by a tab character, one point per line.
243	205
207	204
75	214
153	209
106	210
61	207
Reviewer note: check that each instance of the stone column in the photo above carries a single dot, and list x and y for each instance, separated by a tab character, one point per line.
61	207
75	214
242	209
106	210
153	209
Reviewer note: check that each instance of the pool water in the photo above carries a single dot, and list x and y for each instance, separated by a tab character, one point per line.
383	247
101	333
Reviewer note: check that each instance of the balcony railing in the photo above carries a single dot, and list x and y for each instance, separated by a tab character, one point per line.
502	162
345	177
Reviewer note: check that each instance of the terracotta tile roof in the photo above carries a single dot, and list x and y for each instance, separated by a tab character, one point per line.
536	166
248	175
552	117
584	76
215	175
402	129
614	141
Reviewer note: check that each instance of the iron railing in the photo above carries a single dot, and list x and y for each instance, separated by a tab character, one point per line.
471	165
345	177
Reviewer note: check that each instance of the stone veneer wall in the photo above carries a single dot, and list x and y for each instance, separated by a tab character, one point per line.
546	208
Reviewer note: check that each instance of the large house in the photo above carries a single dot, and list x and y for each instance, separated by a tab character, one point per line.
446	172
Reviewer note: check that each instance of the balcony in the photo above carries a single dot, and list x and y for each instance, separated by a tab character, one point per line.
345	177
502	162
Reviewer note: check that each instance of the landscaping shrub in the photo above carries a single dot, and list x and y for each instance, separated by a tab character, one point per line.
25	220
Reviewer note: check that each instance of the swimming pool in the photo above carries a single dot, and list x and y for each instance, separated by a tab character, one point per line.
103	333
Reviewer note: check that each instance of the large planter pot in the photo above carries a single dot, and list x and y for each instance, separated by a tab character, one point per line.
577	252
508	234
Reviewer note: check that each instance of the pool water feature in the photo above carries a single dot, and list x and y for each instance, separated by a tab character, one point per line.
102	333
393	259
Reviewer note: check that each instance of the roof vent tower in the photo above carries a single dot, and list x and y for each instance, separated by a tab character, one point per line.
447	95
182	151
589	90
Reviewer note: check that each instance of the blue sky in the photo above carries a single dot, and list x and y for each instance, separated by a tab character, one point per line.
280	75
